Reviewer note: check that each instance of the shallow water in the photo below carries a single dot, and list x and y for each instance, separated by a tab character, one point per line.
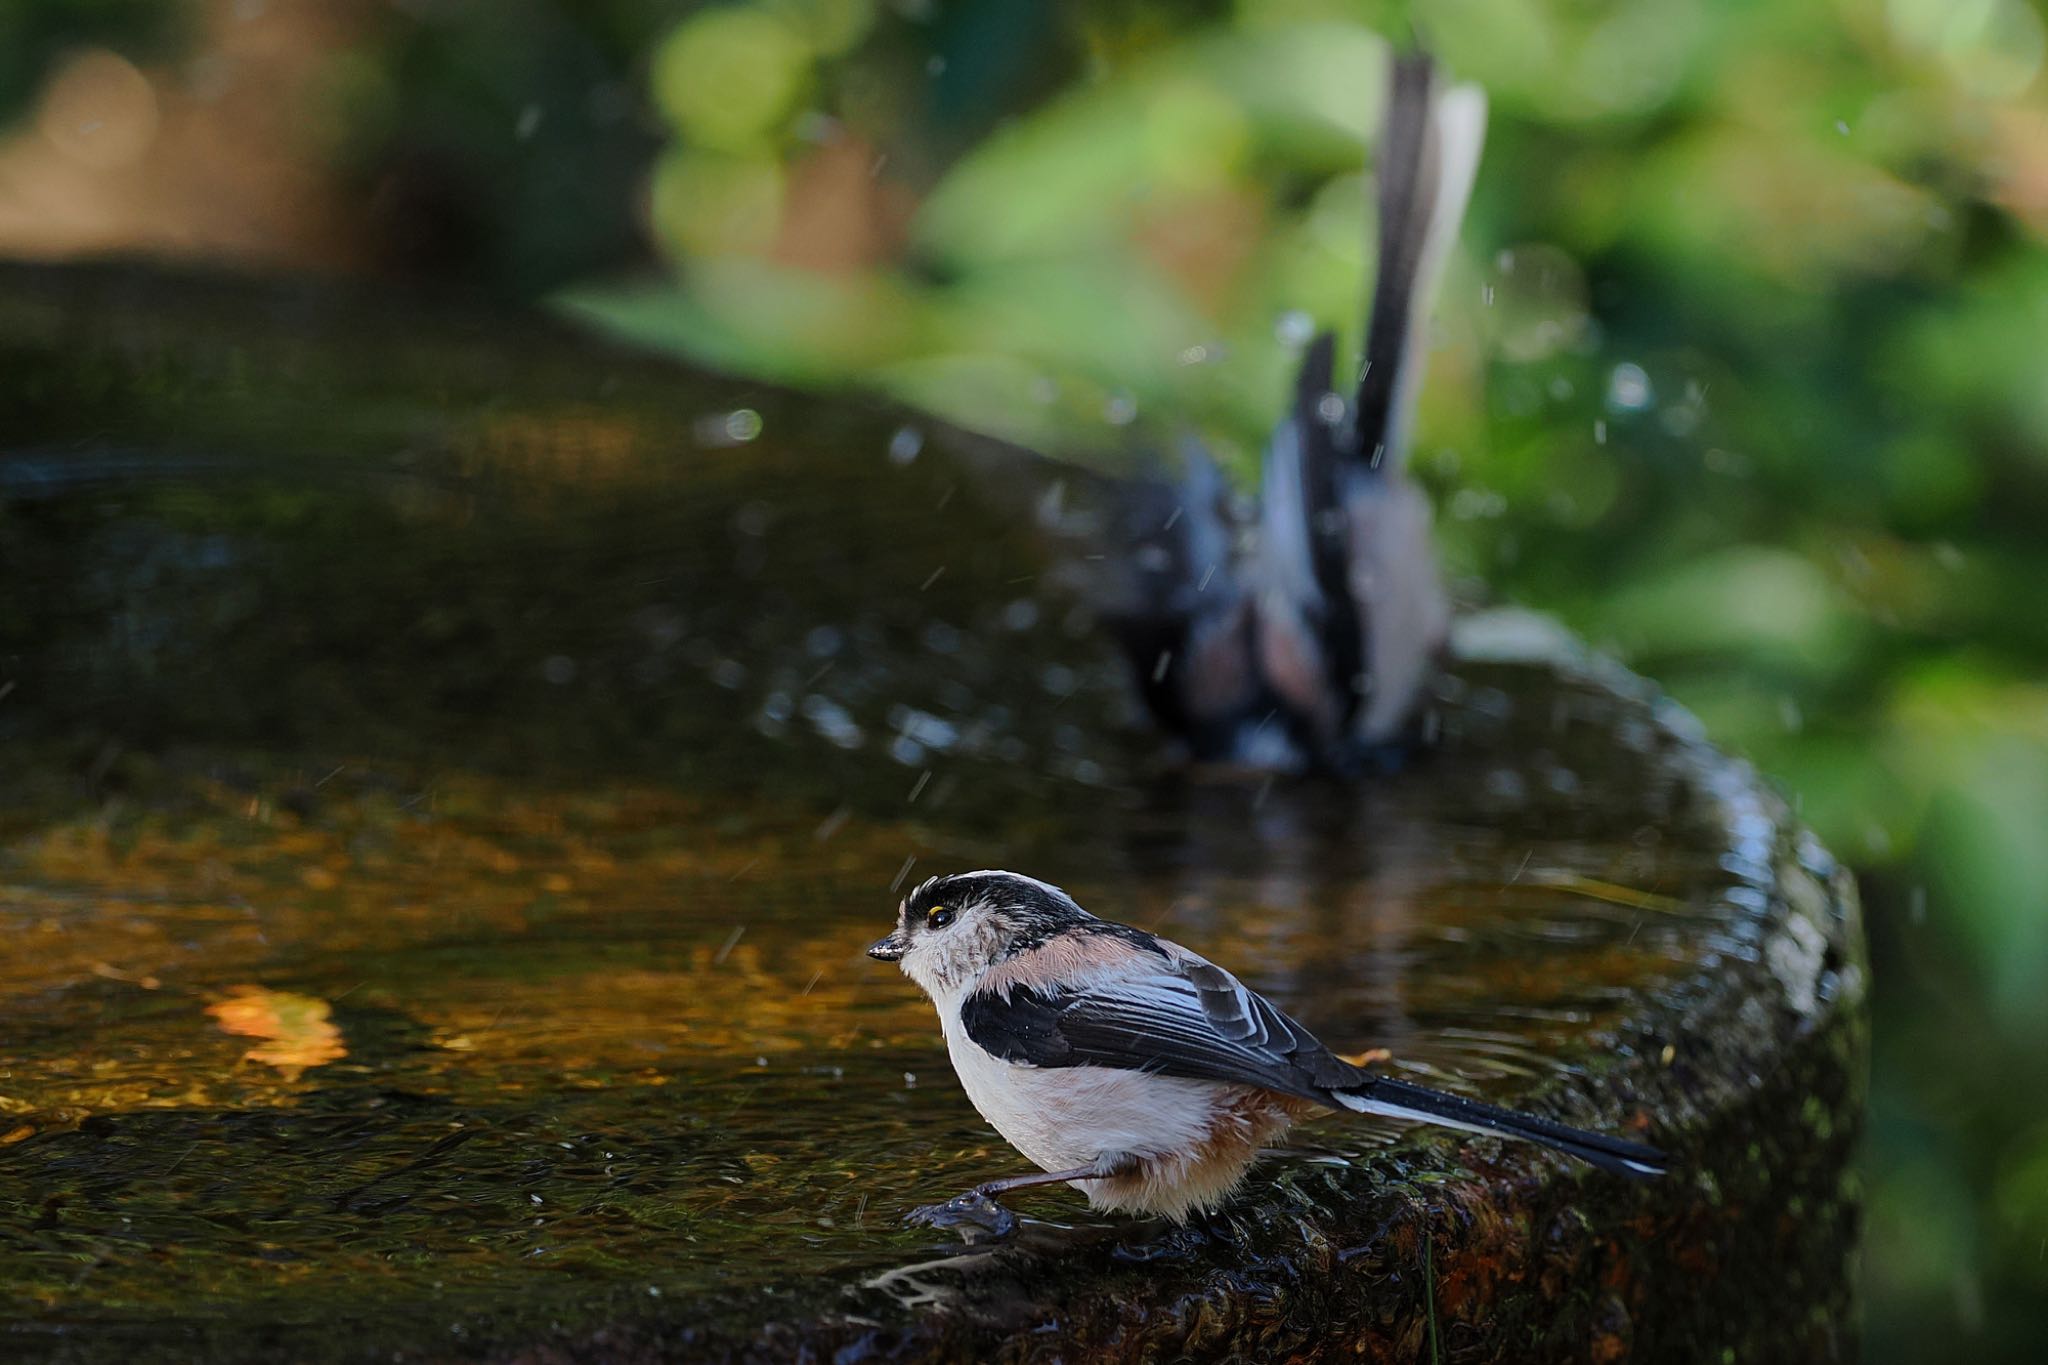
443	827
274	1047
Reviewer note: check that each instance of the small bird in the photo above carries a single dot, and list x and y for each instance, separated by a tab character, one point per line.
1133	1069
1303	636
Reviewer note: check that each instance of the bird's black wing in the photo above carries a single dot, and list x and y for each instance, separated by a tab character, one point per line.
1186	1018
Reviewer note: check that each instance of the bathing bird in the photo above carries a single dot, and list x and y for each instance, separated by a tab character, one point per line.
1302	636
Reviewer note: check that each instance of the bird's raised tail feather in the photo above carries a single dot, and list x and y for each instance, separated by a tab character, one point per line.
1401	1100
1429	153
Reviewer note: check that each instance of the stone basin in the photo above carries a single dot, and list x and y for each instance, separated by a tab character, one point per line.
453	769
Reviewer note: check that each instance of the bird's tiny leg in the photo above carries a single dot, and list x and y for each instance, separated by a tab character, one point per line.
995	1189
979	1207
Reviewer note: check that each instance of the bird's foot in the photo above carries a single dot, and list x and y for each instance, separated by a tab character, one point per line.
966	1212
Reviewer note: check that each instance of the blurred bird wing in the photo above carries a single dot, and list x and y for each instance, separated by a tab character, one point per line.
1176	601
1307	647
1213	671
1399	594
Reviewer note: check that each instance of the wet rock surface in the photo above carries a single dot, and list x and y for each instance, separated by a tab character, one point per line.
454	769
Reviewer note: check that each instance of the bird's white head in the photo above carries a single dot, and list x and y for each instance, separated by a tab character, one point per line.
952	929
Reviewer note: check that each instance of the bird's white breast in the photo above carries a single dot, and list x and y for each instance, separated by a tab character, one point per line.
1064	1117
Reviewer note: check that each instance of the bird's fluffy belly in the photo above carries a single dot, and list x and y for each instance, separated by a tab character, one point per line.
1191	1140
1062	1117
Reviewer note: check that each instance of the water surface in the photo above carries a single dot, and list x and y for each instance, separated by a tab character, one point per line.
489	1053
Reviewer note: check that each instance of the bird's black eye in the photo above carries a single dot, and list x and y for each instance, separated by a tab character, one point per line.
938	917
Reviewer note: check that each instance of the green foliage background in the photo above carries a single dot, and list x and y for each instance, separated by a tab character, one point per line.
1743	371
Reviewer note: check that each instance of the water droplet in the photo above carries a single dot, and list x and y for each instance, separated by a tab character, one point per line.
1628	388
832	721
1294	329
905	445
722	430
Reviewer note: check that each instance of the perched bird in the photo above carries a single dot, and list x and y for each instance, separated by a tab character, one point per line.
1303	637
1130	1067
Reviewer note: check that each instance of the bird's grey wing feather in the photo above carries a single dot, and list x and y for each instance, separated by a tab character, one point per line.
1189	1019
1308	625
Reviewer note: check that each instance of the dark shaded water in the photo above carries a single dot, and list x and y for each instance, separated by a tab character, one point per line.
441	838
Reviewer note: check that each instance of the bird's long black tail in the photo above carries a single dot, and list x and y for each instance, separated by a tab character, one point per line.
1429	153
1398	1099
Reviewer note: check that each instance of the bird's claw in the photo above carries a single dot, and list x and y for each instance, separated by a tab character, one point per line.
963	1212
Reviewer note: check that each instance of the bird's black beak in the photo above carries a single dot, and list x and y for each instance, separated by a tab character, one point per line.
890	949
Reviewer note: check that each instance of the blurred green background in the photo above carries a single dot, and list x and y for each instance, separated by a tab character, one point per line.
1742	371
